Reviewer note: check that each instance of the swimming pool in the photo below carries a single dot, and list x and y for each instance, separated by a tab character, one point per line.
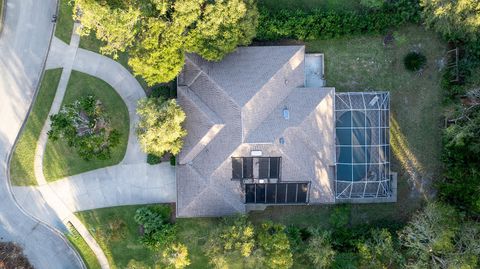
353	134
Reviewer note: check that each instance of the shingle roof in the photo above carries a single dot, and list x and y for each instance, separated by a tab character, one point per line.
234	105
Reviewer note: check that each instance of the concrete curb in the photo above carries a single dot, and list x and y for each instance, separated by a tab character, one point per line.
9	157
2	14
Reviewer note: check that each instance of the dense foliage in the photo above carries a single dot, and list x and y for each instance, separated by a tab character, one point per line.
319	24
414	61
157	230
454	19
461	155
438	237
160	127
319	250
85	126
378	250
175	256
159	33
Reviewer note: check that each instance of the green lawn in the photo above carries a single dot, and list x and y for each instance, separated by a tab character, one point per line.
21	167
116	232
83	249
64	26
336	5
59	159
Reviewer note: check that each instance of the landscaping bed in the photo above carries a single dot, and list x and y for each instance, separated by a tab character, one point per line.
21	166
60	160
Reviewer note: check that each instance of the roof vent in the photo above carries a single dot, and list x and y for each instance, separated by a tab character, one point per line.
256	153
281	140
286	113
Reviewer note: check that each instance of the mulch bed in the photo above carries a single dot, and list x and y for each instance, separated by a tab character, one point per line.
12	257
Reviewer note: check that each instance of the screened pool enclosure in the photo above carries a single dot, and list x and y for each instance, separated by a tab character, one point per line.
362	145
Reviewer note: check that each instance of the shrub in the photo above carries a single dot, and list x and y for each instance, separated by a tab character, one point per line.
273	242
153	159
319	250
414	61
319	24
173	160
157	230
175	256
378	250
372	4
85	126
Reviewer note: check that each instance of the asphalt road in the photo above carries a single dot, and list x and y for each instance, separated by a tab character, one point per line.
24	43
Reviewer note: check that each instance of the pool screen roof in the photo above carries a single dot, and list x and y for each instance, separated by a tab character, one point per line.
362	145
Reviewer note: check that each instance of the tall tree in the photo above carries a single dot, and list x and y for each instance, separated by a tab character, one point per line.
455	19
160	127
160	32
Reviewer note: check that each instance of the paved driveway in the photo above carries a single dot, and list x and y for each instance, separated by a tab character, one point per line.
23	46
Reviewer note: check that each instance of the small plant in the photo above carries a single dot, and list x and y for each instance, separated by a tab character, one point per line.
173	160
158	232
153	159
85	126
414	61
400	38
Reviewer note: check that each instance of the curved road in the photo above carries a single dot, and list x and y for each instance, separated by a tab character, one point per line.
24	43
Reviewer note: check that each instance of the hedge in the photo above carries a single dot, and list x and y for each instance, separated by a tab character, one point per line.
319	24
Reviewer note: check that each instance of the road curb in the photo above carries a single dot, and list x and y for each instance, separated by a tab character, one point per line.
10	153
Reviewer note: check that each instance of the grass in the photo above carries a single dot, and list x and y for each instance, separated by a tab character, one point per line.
21	167
118	235
82	247
64	25
335	5
60	160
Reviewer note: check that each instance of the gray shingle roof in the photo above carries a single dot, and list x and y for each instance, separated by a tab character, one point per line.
235	106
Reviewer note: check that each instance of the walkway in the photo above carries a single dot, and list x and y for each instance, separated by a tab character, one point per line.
24	43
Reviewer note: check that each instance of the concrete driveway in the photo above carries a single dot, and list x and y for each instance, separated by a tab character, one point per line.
23	46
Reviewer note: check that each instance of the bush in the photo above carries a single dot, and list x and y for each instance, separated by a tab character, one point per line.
85	126
158	232
153	159
319	24
414	61
372	4
175	256
319	250
273	242
173	160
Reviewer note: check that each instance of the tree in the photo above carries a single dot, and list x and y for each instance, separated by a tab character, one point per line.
175	256
438	237
273	242
160	127
157	230
160	32
378	250
117	27
234	238
319	250
454	19
461	156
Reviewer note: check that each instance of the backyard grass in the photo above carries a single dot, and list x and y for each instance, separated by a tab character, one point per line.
82	247
60	160
333	5
64	25
21	166
117	233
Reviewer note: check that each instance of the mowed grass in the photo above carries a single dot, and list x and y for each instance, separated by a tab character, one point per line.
83	249
332	5
60	160
21	166
117	233
64	26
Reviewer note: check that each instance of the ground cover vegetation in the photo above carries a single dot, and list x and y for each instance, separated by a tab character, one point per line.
82	247
22	164
105	112
159	33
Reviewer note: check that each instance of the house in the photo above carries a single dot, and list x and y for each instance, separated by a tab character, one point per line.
262	130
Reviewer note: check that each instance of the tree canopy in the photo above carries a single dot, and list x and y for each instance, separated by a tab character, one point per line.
160	127
158	33
455	19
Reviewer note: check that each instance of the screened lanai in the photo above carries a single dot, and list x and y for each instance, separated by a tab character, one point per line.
362	145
